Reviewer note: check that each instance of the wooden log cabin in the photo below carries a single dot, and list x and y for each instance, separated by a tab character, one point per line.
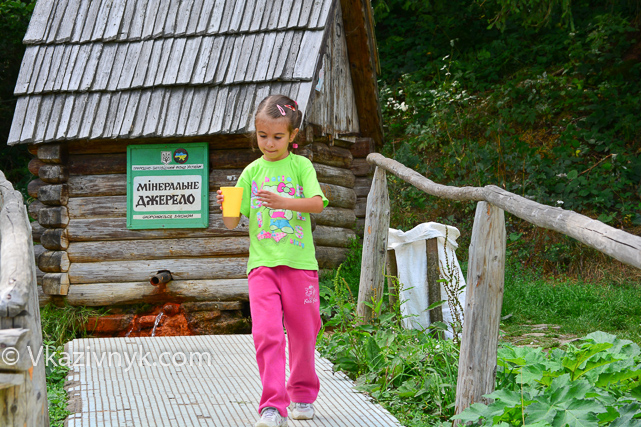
100	75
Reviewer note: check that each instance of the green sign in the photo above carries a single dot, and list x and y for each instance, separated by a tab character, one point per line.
168	186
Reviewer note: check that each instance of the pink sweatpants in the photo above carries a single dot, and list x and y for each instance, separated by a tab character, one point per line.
284	295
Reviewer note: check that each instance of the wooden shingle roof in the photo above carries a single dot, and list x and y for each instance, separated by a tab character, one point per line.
104	69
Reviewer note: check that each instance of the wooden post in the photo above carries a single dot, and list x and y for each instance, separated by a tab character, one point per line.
23	391
391	271
433	285
374	245
483	301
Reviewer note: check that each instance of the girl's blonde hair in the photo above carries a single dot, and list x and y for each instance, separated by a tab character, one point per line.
279	107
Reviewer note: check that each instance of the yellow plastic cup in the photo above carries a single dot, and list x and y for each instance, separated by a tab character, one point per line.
233	196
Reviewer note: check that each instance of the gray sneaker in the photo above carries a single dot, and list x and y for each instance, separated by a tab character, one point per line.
270	417
301	411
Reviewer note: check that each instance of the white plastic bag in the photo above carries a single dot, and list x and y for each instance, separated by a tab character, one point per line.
411	261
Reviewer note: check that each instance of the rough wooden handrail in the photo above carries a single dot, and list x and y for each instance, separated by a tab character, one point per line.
15	266
616	243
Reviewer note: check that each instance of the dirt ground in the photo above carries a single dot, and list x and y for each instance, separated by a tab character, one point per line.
545	336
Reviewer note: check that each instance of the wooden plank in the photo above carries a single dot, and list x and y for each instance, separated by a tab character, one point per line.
219	111
216	17
325	13
172	15
186	69
317	8
154	61
117	67
103	294
156	104
185	111
55	115
295	13
202	60
90	21
44	69
240	69
34	186
89	116
334	175
55	239
195	16
46	105
242	115
223	60
277	68
84	230
75	120
119	116
127	19
374	246
391	273
290	61
248	14
143	270
333	236
175	60
335	217
142	65
360	210
18	120
149	21
183	17
483	301
112	113
39	19
205	16
253	59
141	114
56	65
98	126
318	152
55	283
274	57
101	20
305	62
267	14
103	70
266	51
174	107
138	21
26	70
53	261
115	20
163	63
54	195
433	284
126	128
30	120
162	19
306	10
198	109
79	21
53	217
361	168
52	153
129	66
362	186
330	257
97	185
53	174
129	250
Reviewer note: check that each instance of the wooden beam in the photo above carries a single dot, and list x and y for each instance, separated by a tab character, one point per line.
56	239
127	250
433	284
53	174
53	217
333	236
334	175
336	217
143	270
339	197
362	53
391	271
52	153
107	294
374	246
55	195
53	262
330	257
318	152
483	302
616	243
55	283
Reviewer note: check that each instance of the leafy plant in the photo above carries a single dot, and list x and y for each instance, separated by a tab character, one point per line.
596	383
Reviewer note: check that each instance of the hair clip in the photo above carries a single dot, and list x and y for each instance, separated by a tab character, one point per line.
290	107
295	145
281	110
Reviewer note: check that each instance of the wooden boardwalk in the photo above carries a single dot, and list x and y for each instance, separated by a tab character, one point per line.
152	382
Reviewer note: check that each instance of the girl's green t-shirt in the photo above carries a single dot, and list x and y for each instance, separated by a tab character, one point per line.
280	236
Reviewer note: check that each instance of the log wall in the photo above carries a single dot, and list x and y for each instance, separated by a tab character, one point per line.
90	257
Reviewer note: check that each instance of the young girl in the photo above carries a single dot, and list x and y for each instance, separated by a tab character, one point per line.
280	191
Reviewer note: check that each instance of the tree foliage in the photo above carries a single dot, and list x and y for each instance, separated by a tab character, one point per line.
540	97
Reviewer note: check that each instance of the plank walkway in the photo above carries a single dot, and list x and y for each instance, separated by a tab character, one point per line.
150	381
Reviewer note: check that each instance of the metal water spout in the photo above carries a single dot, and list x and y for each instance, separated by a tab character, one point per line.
160	278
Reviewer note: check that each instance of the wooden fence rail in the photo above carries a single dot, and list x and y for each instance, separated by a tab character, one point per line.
23	392
486	266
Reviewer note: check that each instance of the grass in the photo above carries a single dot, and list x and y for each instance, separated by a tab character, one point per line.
578	307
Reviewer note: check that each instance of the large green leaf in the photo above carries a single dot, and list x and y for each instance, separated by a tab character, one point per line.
579	413
627	414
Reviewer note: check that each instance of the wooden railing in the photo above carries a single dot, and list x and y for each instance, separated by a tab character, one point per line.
23	392
486	265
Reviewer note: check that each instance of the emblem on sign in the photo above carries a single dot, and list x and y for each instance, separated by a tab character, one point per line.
180	155
165	157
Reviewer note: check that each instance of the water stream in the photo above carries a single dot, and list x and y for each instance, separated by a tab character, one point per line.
153	331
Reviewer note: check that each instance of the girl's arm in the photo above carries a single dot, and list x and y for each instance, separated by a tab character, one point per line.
230	221
307	205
